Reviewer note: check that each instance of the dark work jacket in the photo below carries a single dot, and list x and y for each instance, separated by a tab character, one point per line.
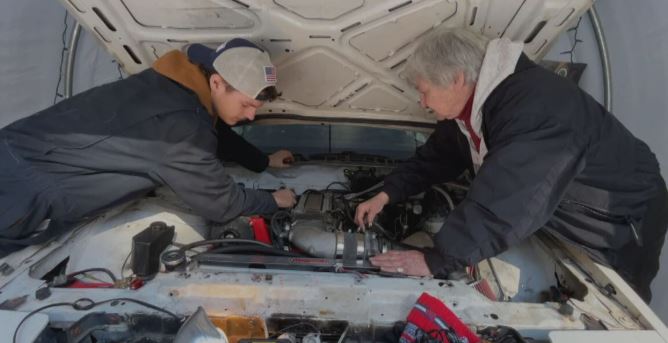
108	145
557	161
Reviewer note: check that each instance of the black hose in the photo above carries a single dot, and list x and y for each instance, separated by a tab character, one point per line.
275	226
384	232
102	270
347	188
347	210
186	247
253	249
181	253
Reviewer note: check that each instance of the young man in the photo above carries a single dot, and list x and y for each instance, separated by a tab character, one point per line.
545	155
119	141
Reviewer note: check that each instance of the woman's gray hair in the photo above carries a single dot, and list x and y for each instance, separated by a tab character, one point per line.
443	53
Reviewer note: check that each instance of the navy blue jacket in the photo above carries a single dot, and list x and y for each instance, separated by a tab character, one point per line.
557	161
108	145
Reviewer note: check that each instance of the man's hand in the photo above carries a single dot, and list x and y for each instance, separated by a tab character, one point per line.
281	159
285	198
368	210
409	262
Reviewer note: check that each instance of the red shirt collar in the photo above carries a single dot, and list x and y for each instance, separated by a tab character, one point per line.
465	114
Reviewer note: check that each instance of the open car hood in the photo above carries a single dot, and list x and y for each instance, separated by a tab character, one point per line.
336	60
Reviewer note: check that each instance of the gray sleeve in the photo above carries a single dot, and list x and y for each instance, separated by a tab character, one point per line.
192	170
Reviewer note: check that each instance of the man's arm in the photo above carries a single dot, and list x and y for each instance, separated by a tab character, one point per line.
439	160
233	147
197	176
532	160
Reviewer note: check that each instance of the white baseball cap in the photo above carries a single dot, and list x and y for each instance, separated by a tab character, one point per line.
242	64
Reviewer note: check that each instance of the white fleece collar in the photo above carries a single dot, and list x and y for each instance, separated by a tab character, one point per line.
500	60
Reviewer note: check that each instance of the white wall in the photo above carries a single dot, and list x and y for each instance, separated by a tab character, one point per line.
637	36
637	33
638	45
29	56
31	41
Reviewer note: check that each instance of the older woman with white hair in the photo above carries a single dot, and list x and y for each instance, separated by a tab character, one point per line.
545	155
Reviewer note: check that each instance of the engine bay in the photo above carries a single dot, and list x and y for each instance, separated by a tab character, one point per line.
303	271
322	225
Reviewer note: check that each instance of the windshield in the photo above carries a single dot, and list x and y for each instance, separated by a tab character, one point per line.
313	140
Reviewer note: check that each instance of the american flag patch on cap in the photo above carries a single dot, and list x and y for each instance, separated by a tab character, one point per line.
270	74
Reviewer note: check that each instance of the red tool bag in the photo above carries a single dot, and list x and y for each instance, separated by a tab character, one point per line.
431	321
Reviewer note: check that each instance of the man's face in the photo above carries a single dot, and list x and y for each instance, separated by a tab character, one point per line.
231	105
446	102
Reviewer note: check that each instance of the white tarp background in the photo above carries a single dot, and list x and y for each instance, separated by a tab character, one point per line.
31	42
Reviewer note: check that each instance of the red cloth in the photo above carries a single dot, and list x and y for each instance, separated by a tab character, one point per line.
465	116
431	317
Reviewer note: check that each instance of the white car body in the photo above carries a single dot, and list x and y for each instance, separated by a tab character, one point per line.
337	62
